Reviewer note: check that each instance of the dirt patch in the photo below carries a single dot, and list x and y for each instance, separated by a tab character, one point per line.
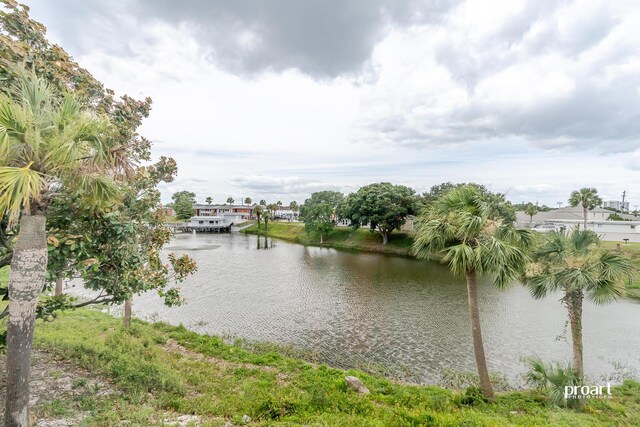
52	379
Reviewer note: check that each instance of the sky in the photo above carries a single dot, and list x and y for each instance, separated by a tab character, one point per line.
277	99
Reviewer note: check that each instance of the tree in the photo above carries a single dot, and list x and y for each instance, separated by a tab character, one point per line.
188	195
47	146
247	201
294	208
579	267
258	211
23	42
230	200
384	206
209	200
263	202
318	212
587	198
530	209
266	217
272	208
462	230
183	205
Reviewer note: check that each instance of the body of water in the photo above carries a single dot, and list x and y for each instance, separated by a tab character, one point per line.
359	309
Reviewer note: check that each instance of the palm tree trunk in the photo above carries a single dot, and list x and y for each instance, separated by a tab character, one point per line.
574	306
127	313
26	280
58	291
585	213
530	221
321	242
478	345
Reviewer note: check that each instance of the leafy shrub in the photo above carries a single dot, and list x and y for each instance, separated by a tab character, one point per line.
551	379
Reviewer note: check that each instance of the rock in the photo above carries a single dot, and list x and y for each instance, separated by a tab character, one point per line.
356	385
246	419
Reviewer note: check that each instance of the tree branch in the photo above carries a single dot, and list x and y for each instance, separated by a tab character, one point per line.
93	301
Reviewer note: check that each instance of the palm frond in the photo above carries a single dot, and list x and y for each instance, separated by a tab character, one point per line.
18	188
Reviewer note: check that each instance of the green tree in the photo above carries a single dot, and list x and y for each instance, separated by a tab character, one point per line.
266	217
247	201
462	230
295	208
272	208
230	200
318	212
209	200
183	205
587	198
258	211
531	210
383	206
47	146
579	267
188	195
263	202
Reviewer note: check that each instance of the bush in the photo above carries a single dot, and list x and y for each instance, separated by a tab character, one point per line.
551	379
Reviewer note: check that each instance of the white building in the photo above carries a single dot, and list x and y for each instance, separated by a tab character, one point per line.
286	213
616	204
597	221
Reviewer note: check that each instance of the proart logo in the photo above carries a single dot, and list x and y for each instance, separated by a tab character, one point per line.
588	392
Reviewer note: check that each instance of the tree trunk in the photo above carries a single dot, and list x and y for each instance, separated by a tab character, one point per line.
321	242
530	221
585	213
58	291
127	313
574	306
26	280
478	345
385	237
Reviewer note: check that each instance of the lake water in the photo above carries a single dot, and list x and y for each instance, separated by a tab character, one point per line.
358	309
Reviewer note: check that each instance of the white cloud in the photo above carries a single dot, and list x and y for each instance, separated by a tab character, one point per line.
527	95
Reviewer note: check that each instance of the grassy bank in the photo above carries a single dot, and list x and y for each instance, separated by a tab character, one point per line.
157	372
341	238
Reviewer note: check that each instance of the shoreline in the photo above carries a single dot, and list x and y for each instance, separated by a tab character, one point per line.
154	373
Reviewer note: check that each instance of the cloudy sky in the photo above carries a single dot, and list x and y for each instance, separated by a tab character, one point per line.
277	99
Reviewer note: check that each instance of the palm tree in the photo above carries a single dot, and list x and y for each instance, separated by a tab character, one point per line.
530	210
263	202
258	211
230	200
47	146
576	265
463	230
209	200
247	201
586	197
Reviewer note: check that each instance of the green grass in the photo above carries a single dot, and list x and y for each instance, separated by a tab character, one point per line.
631	250
341	238
4	278
155	378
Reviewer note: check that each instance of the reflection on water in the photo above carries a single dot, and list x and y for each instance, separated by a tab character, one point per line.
356	309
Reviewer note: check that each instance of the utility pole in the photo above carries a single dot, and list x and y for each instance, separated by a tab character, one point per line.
559	205
624	194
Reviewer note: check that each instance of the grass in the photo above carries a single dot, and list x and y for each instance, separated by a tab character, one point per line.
161	371
631	250
341	238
